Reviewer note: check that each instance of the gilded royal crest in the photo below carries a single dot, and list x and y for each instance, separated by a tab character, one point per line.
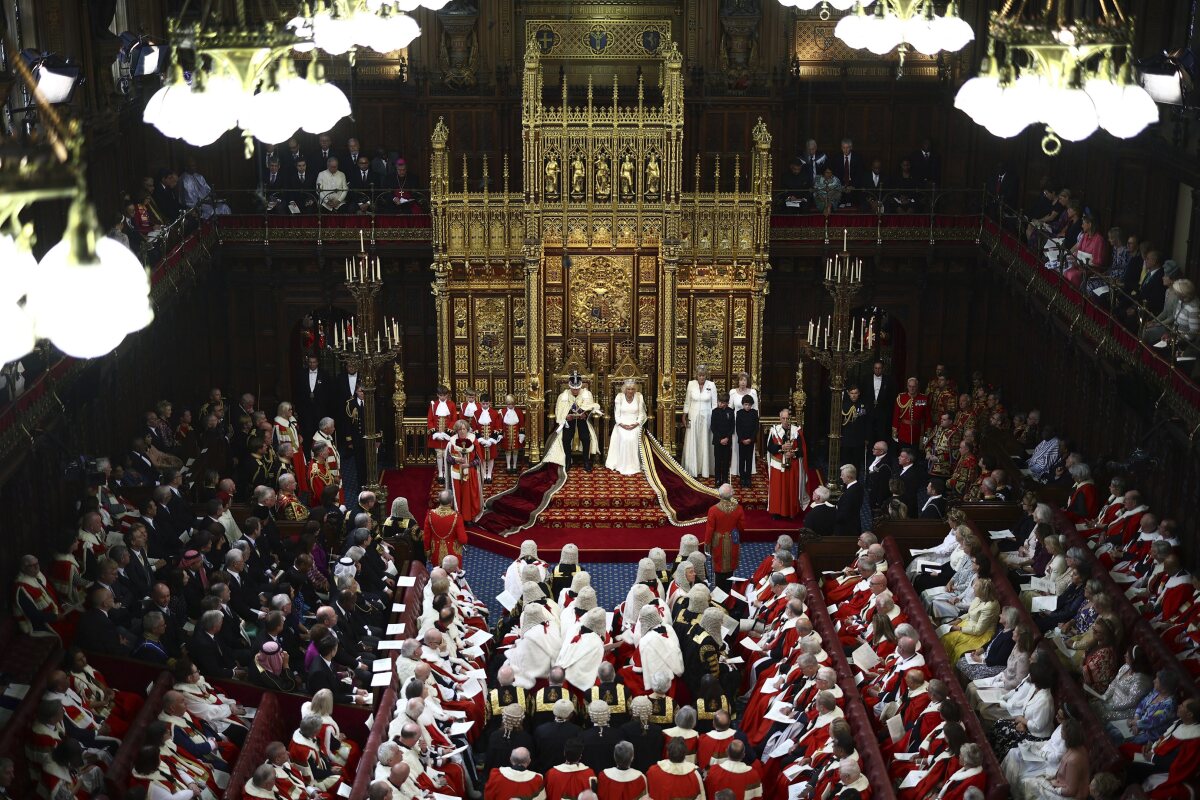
651	41
598	40
601	294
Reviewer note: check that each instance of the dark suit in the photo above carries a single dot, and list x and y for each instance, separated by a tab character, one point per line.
98	633
139	574
914	479
167	201
879	409
275	187
322	676
877	481
1003	187
287	163
175	617
849	510
934	508
549	739
312	402
746	427
814	165
647	744
243	597
304	190
821	519
1152	292
926	167
849	169
722	426
363	185
598	746
145	469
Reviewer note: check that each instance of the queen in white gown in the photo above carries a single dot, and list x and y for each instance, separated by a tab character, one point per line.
698	404
628	417
736	394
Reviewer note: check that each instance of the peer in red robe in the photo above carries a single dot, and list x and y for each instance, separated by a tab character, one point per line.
724	518
616	783
1179	748
445	534
956	785
1084	502
787	473
466	481
510	783
568	780
744	780
672	779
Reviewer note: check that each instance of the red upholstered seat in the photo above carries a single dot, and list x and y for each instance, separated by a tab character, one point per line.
117	776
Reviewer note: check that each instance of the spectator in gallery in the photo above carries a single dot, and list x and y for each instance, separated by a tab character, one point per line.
332	186
827	191
195	191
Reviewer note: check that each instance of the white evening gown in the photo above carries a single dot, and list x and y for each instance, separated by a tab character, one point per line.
735	402
697	443
624	445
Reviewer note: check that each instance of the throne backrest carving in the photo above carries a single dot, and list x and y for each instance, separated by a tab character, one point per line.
628	369
576	361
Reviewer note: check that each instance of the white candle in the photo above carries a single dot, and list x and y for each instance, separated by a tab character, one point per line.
377	347
361	248
839	340
845	239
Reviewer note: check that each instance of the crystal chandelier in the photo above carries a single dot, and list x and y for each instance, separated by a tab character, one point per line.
901	24
243	75
1047	67
88	292
809	5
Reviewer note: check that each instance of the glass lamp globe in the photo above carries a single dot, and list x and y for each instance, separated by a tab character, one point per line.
921	34
213	110
803	5
434	5
16	332
884	34
1124	110
17	268
846	5
325	106
854	30
977	94
169	110
1012	111
273	115
334	35
1071	113
392	33
952	32
88	309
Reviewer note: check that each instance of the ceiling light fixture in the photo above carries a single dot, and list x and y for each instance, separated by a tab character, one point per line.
809	5
901	24
1071	74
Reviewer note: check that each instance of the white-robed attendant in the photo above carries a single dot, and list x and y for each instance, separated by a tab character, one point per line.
535	650
628	417
581	655
658	646
743	389
698	402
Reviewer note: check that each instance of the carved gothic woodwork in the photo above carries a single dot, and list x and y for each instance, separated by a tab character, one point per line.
739	23
459	47
610	260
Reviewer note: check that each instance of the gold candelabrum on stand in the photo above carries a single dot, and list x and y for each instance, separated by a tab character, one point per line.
370	343
839	342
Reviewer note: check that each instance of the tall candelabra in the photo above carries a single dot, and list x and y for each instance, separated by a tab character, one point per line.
839	342
369	343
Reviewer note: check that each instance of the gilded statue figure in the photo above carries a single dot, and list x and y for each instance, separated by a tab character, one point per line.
627	176
551	189
603	179
577	178
653	177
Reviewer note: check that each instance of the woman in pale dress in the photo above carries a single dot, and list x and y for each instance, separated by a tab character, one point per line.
736	394
628	416
698	404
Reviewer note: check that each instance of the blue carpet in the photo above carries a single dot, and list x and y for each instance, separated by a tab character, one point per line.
485	571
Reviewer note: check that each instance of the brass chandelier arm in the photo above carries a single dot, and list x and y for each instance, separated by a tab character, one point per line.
58	129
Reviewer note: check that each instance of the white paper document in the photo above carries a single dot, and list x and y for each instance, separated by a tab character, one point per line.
895	726
1047	603
381	665
776	714
913	778
991	696
398	608
471	689
864	658
719	595
479	638
404	581
391	645
781	749
459	728
506	600
1005	534
942	630
343	790
380	679
1042	585
395	629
